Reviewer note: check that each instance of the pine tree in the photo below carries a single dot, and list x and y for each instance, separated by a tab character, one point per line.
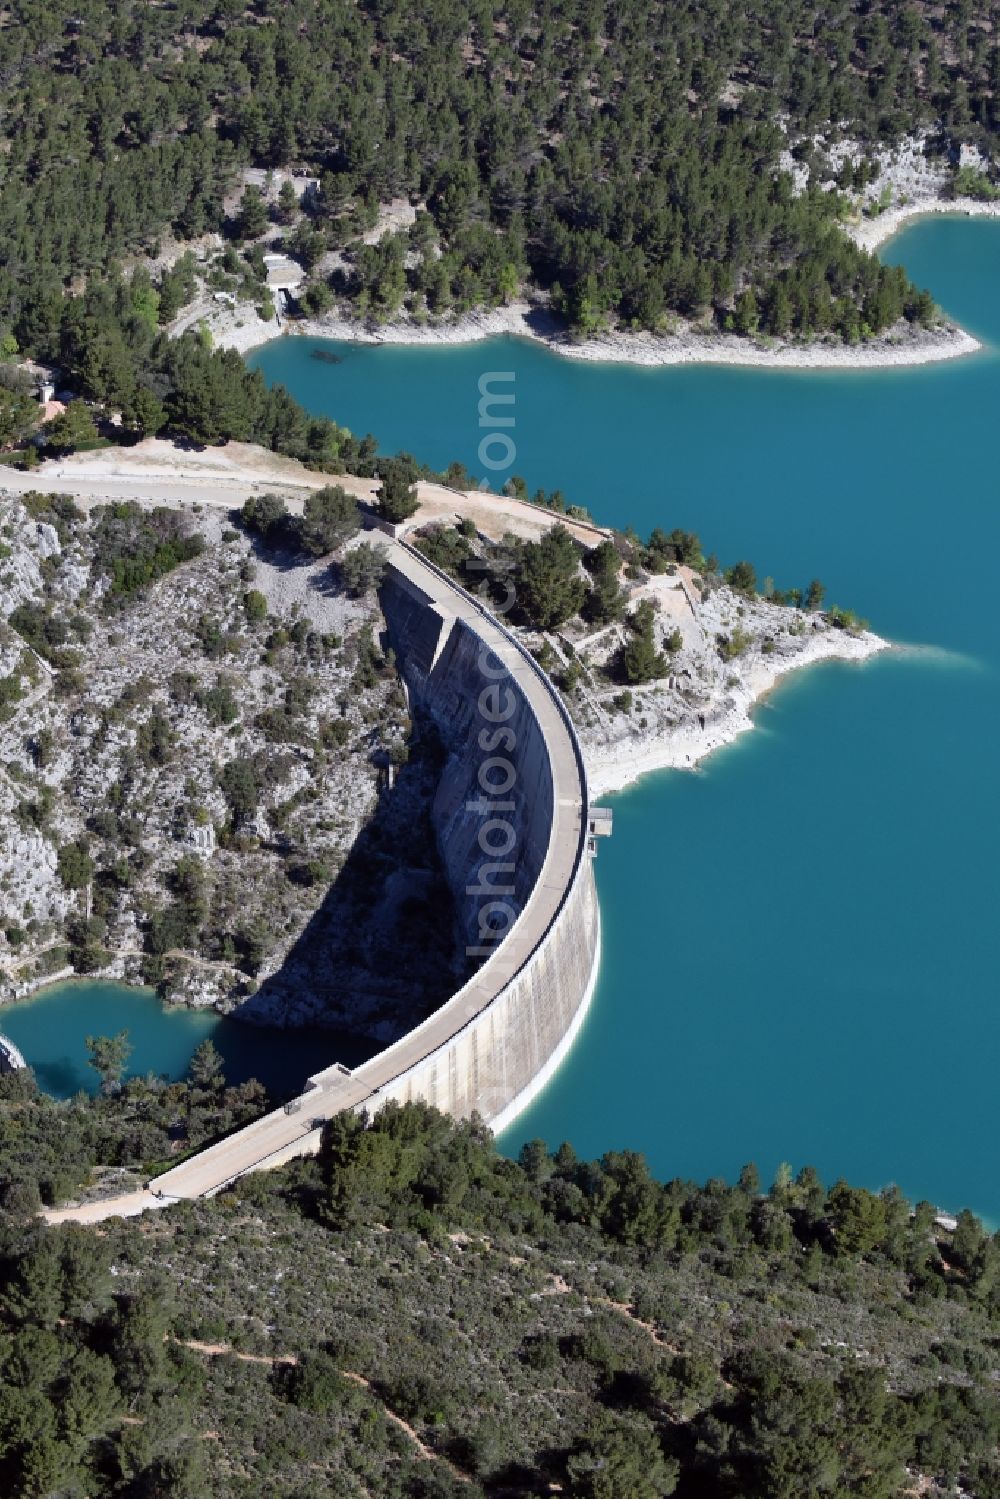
747	313
251	217
397	494
549	587
639	660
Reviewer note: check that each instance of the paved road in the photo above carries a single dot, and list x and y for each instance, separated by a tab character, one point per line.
279	1136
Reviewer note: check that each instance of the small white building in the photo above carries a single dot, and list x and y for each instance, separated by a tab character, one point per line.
270	182
283	273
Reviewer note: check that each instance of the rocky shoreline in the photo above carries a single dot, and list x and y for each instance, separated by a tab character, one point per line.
907	185
685	745
870	234
244	331
727	651
116	745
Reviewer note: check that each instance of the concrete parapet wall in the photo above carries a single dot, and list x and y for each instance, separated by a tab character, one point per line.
11	1059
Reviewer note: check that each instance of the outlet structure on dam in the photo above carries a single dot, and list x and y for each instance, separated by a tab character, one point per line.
516	835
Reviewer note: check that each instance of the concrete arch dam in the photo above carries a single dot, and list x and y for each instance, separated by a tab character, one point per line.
516	835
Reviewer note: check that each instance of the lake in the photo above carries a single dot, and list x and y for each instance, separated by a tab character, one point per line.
801	945
50	1028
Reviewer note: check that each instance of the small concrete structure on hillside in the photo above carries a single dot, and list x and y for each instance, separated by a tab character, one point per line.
283	273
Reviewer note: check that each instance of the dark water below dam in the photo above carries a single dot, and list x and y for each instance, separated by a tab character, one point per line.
50	1029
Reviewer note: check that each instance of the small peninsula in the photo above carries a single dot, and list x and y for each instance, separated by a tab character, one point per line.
198	714
898	183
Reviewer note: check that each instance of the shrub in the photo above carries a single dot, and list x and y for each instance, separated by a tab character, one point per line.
331	517
74	864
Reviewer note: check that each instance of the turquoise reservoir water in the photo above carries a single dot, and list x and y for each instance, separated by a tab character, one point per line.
50	1031
801	940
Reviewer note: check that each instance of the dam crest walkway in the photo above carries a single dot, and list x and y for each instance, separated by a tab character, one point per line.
411	1066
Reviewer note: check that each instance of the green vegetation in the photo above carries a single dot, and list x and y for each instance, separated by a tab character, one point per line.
50	1150
554	1325
662	551
606	599
846	619
212	397
639	660
733	644
18	408
75	866
177	925
330	517
628	162
548	586
135	547
265	515
117	358
172	682
48	632
970	183
255	606
397	496
742	578
109	1057
448	547
241	787
56	510
361	569
548	1323
72	428
559	581
205	1070
11	693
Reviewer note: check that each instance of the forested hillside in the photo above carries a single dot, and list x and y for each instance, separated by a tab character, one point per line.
626	158
413	1315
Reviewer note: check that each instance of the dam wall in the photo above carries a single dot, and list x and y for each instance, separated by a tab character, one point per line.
448	669
490	1047
497	1063
512	758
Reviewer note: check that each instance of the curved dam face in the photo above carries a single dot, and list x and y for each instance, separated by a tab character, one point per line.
510	816
516	835
493	809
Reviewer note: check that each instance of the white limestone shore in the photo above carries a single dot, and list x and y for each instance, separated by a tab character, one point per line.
616	764
241	329
909	179
870	234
